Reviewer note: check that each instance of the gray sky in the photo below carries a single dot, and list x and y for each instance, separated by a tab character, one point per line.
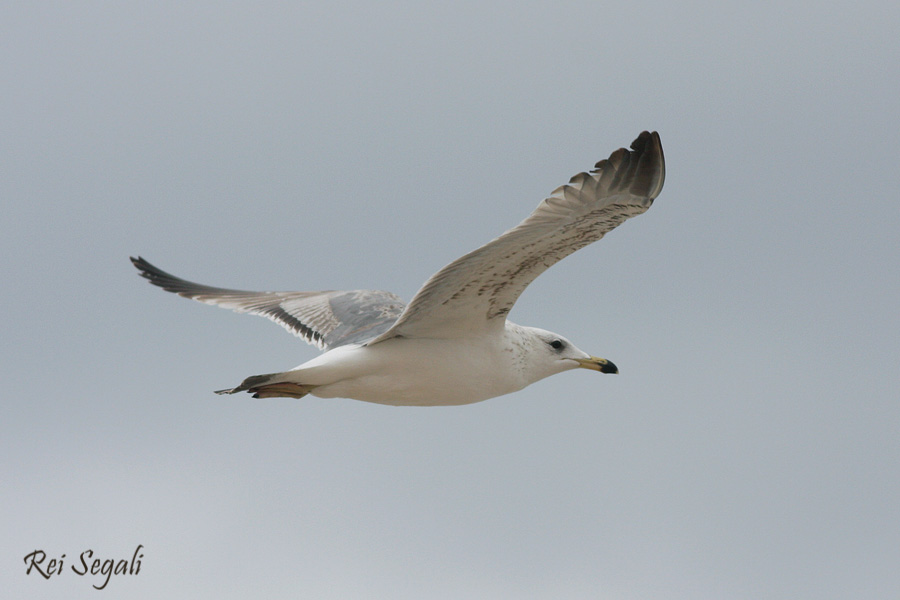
750	447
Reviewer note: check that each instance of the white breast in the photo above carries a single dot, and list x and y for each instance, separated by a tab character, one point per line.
416	372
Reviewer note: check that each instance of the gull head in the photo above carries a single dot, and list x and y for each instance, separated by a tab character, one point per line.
543	353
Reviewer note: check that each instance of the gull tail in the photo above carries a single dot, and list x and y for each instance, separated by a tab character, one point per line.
270	385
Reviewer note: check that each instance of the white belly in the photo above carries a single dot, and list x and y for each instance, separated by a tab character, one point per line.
414	372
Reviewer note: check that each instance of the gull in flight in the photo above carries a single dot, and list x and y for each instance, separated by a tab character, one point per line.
452	344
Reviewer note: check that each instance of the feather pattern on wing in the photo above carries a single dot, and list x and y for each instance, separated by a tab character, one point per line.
324	319
474	293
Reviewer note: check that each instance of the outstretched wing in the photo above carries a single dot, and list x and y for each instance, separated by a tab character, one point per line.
474	293
325	319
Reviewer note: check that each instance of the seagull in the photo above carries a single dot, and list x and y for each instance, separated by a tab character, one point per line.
452	344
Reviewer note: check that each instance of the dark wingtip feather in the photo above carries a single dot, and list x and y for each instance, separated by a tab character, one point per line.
650	172
160	278
642	168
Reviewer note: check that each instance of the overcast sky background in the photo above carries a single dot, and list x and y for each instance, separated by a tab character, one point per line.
750	447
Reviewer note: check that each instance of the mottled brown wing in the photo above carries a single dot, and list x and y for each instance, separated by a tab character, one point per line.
474	293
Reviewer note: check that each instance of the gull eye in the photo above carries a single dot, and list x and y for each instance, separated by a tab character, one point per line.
556	345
